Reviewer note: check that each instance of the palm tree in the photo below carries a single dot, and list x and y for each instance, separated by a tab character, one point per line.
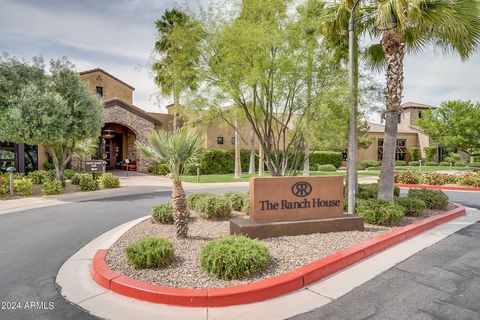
177	149
410	26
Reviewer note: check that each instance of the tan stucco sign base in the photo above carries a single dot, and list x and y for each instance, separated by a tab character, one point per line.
295	205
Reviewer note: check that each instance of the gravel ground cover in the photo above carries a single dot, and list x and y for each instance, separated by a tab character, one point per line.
286	253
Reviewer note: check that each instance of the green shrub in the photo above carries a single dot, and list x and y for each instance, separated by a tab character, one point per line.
48	165
163	213
414	163
150	252
69	173
469	179
413	206
236	199
434	199
160	169
376	168
415	153
87	183
109	181
326	157
370	191
370	163
246	205
400	163
326	167
51	187
194	199
361	166
474	164
233	257
430	152
408	177
460	164
23	186
403	168
3	184
214	207
380	212
431	164
76	178
435	178
38	176
444	164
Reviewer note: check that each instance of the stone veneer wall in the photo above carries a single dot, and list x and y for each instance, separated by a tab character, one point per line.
140	127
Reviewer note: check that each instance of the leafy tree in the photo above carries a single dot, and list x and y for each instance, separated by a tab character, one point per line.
54	109
177	149
178	49
454	124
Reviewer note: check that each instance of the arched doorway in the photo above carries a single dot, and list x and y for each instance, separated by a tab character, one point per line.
116	144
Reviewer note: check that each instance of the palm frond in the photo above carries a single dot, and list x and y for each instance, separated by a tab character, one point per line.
374	58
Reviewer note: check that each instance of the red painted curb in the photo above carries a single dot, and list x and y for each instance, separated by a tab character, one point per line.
426	186
264	289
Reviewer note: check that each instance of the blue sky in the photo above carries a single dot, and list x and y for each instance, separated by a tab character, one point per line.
118	36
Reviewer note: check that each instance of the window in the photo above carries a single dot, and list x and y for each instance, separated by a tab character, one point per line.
219	140
99	91
420	115
233	141
399	118
400	151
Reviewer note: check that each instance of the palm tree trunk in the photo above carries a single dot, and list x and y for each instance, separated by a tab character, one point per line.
180	210
238	160
394	48
251	167
261	163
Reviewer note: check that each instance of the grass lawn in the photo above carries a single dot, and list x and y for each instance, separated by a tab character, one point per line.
245	177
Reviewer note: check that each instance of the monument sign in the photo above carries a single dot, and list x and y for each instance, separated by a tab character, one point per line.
295	205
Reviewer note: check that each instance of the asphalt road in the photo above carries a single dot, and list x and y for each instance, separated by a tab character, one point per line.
35	243
441	282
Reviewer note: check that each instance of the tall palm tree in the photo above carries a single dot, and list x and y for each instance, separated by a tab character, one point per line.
177	149
410	26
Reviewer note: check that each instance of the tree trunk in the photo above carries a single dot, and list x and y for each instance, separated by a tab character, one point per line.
251	167
261	163
176	102
394	48
306	161
180	210
238	160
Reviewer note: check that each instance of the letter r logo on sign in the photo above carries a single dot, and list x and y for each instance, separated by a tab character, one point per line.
302	189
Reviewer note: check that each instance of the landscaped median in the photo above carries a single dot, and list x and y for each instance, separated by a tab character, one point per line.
264	289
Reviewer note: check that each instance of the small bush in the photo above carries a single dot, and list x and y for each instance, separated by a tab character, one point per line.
23	186
400	163
214	207
326	157
474	164
403	168
435	178
413	206
377	168
431	164
51	187
3	184
87	183
163	213
469	179
430	152
460	164
48	165
233	257
380	212
326	167
194	199
414	163
236	199
69	173
109	181
361	167
160	169
434	199
246	205
150	252
370	191
369	163
444	164
75	180
408	177
415	153
38	176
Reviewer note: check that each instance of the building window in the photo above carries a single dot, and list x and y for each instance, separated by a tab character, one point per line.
99	91
420	115
399	118
219	140
400	151
233	141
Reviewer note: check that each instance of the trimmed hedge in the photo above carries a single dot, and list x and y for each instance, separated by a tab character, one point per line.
233	257
407	177
400	163
194	199
87	183
109	181
431	164
51	187
236	199
434	199
413	206
370	163
326	157
370	191
469	179
414	163
444	164
214	207
415	153
474	164
380	212
163	213
326	167
150	252
460	164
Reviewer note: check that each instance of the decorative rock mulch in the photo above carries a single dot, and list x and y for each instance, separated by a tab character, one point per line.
286	253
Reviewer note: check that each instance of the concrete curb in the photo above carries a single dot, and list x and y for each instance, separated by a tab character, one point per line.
425	186
264	289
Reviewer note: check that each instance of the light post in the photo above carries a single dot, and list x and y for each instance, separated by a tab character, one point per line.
352	124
